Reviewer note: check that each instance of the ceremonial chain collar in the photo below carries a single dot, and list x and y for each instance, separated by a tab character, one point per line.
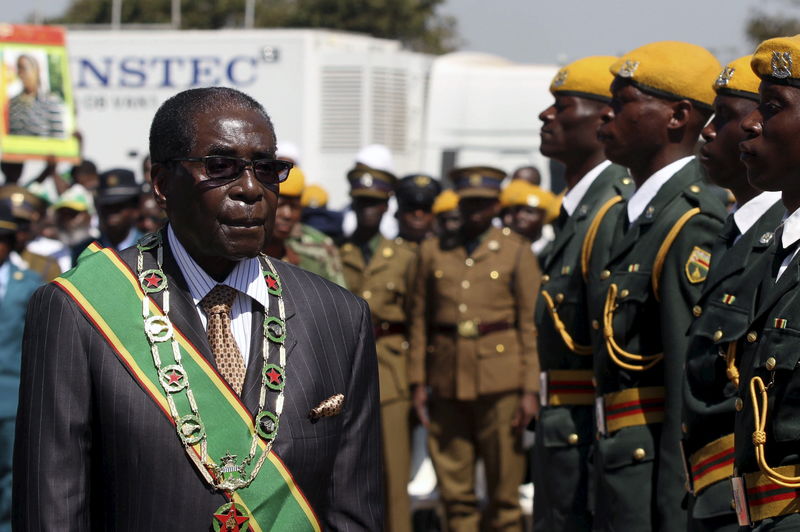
228	475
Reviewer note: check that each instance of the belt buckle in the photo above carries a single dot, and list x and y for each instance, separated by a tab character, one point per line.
468	329
740	500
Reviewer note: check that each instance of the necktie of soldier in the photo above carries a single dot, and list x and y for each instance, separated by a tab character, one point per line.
230	364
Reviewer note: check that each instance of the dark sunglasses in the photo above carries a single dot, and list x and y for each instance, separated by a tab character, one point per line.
222	167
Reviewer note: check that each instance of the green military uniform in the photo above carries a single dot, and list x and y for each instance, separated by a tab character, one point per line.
565	427
316	253
641	309
722	315
473	345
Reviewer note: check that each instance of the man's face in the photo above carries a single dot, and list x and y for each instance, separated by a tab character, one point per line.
118	218
6	246
477	214
369	211
720	155
415	222
527	221
28	73
569	127
222	224
449	223
771	151
287	216
634	125
529	174
151	216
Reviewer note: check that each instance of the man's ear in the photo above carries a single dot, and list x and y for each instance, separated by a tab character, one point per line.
681	114
159	173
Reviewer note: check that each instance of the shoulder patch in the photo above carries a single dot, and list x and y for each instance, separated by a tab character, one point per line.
697	266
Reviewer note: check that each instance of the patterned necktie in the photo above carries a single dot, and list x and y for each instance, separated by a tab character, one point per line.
230	364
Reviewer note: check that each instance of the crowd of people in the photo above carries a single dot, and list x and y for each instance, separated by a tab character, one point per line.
638	322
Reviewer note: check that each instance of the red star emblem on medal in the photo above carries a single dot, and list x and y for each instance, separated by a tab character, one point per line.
273	376
154	280
174	377
232	521
272	283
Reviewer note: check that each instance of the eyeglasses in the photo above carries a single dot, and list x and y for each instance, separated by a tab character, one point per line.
223	167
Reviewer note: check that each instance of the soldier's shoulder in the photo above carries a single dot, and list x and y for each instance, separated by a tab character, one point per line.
699	195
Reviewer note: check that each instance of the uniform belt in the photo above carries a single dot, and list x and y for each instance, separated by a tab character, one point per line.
561	387
711	463
472	328
631	408
758	498
385	328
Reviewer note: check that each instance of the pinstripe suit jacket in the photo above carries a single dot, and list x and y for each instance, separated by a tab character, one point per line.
93	452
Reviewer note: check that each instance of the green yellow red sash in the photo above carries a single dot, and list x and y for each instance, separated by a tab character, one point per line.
109	294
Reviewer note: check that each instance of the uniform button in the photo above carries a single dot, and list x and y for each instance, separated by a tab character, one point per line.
697	310
500	348
639	454
718	335
559	298
464	284
462	307
366	294
694	188
493	245
18	276
752	336
684	428
404	345
625	293
390	286
605	274
738	404
545	278
438	274
387	252
595	324
770	364
626	181
572	439
506	231
469	262
494	274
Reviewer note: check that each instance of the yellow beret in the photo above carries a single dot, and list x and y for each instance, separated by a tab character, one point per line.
369	182
671	69
446	201
522	193
294	184
314	196
738	79
778	59
588	77
477	181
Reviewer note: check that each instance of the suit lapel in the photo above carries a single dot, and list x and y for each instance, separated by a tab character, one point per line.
772	291
562	238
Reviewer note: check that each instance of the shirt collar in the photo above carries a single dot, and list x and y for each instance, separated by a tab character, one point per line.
645	193
576	193
791	229
748	214
246	276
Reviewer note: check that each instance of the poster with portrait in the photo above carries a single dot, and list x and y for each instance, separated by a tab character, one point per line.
38	113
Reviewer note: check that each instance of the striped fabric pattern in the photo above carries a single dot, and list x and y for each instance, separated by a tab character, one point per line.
712	463
767	499
570	387
633	407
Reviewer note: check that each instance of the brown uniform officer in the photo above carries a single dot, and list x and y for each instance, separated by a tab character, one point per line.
381	271
473	345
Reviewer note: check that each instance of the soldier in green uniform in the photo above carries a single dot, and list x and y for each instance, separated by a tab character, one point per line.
642	285
298	243
565	427
766	484
382	272
473	345
723	311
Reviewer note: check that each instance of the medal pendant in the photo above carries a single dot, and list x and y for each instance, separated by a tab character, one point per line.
231	517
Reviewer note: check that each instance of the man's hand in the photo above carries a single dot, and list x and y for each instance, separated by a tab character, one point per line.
419	397
527	410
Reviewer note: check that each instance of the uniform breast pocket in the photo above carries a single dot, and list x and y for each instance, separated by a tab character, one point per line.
628	302
499	362
776	362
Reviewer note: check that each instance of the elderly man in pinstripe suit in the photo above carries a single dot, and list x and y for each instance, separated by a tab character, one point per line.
191	383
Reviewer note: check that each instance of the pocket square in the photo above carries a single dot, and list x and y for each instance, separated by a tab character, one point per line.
327	408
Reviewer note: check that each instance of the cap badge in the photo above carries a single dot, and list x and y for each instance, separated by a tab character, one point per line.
112	181
366	180
766	238
560	79
781	64
628	68
422	181
475	180
17	199
724	77
532	200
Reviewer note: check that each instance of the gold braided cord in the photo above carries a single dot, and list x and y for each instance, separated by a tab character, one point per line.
591	234
614	350
760	435
576	348
661	256
730	364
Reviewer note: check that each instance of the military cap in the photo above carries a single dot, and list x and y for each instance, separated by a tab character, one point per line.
777	60
738	79
671	70
314	196
294	184
446	201
8	224
369	182
519	193
75	198
477	181
588	78
416	191
24	204
117	186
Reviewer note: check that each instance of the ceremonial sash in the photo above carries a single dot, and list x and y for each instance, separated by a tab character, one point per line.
109	294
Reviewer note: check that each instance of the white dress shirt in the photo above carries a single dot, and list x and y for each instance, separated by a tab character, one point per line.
574	196
748	214
246	278
791	234
645	193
